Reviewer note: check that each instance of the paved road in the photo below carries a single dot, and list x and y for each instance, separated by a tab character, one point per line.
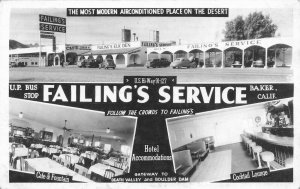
198	75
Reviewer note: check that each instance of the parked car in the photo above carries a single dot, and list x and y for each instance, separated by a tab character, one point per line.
91	63
157	63
271	63
13	64
87	63
237	64
22	64
258	63
184	62
80	63
108	63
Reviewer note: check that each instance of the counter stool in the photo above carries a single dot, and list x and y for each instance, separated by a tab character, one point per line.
257	150
289	162
267	157
244	141
252	145
248	141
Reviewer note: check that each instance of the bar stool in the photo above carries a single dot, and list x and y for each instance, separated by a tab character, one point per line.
252	145
247	144
257	150
248	141
267	157
289	162
244	139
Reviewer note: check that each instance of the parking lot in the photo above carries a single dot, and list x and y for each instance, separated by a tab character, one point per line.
197	75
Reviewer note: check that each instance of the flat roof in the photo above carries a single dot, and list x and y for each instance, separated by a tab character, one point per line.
113	51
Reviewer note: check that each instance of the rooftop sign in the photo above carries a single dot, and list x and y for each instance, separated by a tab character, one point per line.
52	19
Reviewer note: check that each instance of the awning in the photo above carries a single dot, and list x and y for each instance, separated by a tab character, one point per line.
113	51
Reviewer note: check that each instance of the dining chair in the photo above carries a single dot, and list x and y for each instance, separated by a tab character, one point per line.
118	164
95	177
26	166
55	158
80	170
68	158
22	164
68	164
62	162
109	173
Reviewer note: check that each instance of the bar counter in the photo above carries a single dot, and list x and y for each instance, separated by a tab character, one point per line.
272	139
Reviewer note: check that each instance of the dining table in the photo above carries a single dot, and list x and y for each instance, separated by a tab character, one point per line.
37	146
90	155
100	168
50	166
71	150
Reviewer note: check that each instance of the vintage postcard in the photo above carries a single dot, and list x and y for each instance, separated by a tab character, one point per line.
162	94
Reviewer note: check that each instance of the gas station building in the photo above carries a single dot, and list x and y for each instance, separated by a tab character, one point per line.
243	53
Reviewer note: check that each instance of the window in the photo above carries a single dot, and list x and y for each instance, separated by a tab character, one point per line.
48	136
107	147
87	143
36	63
18	132
97	144
125	150
32	63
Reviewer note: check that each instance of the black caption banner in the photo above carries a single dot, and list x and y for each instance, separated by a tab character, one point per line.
172	12
150	96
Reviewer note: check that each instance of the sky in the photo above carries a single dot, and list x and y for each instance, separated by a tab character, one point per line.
24	26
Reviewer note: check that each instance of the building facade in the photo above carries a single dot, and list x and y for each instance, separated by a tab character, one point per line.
124	54
276	52
265	52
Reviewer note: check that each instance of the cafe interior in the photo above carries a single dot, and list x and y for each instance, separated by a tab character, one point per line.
83	144
209	146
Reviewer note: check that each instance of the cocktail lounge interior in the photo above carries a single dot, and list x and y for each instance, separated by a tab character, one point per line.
210	146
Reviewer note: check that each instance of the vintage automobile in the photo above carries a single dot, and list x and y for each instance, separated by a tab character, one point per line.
237	64
184	62
80	63
13	64
271	62
87	63
107	63
22	64
157	63
258	63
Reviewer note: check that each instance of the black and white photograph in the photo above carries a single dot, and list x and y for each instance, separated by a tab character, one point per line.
211	146
248	45
49	139
158	94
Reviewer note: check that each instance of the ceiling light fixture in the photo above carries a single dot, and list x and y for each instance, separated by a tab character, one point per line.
21	115
108	130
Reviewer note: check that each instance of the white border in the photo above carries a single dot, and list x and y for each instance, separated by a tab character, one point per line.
5	7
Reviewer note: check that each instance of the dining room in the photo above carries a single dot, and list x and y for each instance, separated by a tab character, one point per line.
82	144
